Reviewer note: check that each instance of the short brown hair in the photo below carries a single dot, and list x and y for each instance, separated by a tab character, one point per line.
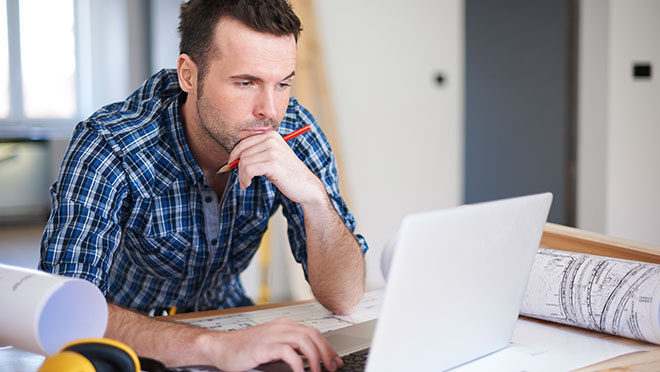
198	19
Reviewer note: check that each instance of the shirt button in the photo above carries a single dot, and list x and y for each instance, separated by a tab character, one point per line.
214	242
208	199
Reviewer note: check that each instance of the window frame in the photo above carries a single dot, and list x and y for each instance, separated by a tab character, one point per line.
16	117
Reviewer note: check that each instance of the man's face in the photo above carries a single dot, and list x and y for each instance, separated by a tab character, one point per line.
246	89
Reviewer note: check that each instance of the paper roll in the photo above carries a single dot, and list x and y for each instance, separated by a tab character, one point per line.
41	312
610	295
388	252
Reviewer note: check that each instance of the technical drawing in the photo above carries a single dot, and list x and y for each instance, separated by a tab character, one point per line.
310	314
604	294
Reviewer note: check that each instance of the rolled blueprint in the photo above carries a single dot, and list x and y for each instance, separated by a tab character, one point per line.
615	296
41	312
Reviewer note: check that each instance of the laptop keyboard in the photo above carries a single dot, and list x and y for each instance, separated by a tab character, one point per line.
354	362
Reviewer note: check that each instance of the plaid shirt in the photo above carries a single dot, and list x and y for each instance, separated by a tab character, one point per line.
132	213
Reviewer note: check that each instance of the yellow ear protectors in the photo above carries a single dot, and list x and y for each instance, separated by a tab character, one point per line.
93	355
67	361
99	355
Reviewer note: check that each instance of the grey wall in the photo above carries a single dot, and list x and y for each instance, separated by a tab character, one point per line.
518	102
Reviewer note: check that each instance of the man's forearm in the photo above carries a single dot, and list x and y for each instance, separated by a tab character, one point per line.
335	262
169	342
178	344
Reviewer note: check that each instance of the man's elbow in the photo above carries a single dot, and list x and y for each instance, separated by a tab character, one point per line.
343	309
344	305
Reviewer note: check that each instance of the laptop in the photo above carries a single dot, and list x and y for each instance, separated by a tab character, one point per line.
454	288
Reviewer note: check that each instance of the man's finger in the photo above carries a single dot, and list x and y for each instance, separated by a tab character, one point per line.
259	155
328	355
308	348
247	172
248	149
290	357
251	141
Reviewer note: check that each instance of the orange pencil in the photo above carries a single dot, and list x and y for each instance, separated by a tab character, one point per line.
286	138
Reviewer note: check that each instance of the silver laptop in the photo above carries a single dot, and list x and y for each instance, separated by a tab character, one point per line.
454	287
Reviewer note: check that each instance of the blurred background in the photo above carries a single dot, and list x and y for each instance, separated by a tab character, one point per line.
428	104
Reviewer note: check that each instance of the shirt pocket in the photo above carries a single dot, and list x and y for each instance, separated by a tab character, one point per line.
158	236
163	255
254	209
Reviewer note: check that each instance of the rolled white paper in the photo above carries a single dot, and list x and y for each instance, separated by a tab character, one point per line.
386	258
42	312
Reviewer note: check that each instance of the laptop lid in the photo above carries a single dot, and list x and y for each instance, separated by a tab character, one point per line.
456	284
454	288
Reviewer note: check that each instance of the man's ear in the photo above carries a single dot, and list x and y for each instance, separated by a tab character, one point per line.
187	73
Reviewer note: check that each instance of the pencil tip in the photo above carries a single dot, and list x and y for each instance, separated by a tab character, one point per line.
223	169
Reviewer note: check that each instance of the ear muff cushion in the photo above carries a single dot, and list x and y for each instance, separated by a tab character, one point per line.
67	361
152	365
106	358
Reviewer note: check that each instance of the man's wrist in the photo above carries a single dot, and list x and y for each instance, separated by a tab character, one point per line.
207	344
318	200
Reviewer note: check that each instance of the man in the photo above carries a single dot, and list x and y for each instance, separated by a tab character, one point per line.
139	210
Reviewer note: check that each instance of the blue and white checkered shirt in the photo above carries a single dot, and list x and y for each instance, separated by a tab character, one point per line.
132	213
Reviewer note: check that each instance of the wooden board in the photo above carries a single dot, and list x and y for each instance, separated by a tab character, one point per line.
575	240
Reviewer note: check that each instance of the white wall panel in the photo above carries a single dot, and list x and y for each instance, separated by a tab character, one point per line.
633	179
618	175
401	133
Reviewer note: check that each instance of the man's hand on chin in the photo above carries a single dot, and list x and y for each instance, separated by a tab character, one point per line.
269	155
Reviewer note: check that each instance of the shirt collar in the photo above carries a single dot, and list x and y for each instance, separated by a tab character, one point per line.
189	166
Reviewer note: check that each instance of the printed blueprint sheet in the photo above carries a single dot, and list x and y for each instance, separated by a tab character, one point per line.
310	314
604	294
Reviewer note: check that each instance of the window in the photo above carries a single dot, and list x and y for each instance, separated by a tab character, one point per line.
4	62
38	71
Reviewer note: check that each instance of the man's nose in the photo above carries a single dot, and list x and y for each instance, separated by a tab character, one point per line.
264	107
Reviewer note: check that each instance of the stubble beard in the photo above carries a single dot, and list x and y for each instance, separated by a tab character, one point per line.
220	130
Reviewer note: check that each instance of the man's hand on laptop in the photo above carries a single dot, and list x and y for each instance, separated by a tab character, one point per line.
281	339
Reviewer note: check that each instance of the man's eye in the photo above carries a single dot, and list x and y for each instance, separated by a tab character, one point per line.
244	84
283	85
